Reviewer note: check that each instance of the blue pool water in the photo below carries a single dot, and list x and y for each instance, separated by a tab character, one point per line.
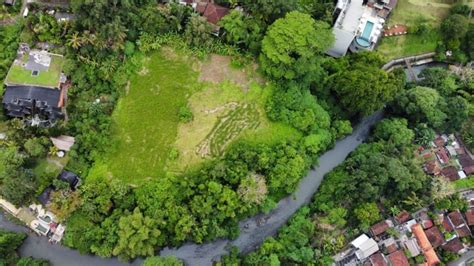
363	40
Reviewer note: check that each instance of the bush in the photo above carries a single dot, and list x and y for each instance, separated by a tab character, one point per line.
185	114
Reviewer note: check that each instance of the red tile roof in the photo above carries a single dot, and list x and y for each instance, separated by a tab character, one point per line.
378	260
402	217
463	231
425	245
434	236
456	218
454	245
467	163
398	258
432	167
470	216
450	173
442	155
379	228
439	142
214	13
392	248
447	224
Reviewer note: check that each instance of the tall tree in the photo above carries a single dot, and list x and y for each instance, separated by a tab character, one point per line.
292	47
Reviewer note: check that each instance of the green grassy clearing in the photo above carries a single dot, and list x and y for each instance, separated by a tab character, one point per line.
46	169
146	120
223	114
147	131
465	183
408	12
50	78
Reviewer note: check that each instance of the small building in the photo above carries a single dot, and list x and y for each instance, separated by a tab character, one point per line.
402	217
434	236
450	173
467	163
425	245
398	258
470	216
432	167
63	143
454	246
442	155
365	246
378	259
448	226
44	197
412	246
456	219
380	227
9	2
463	231
70	178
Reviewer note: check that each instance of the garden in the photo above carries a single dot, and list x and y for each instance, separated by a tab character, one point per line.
423	34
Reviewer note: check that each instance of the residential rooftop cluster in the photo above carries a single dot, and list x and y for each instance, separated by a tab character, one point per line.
448	157
411	238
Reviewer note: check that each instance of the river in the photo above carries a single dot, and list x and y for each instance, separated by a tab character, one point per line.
253	231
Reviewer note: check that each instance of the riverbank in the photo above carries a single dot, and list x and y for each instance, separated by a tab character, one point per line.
253	230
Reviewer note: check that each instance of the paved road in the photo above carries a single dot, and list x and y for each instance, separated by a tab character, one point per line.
465	258
253	230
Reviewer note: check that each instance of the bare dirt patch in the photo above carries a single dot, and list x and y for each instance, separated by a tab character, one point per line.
218	69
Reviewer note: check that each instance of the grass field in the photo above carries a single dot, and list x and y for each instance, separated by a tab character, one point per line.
465	183
50	78
407	12
148	139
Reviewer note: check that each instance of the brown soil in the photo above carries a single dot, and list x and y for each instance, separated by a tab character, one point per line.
217	69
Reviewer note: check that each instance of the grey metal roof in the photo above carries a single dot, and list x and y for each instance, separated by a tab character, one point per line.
341	44
49	96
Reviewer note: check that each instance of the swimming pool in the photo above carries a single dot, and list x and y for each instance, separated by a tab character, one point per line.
363	40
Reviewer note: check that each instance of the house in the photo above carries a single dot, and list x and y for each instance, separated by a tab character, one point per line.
470	216
380	227
439	142
432	167
33	87
467	163
41	105
412	246
456	219
447	224
358	24
212	12
434	236
425	245
398	258
9	2
442	155
378	259
454	246
63	143
402	217
365	246
450	173
44	197
70	178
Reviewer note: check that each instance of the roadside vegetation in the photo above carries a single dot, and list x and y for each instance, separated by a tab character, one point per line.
380	178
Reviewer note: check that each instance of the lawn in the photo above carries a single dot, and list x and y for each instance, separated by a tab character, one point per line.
465	183
148	139
50	78
408	12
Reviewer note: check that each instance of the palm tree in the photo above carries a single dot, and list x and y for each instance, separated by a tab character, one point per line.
75	41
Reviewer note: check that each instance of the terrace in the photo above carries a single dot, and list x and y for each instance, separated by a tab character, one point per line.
36	68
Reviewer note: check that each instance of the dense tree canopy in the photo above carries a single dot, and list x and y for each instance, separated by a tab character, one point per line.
291	49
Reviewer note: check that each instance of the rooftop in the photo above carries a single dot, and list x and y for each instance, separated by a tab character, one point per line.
456	218
470	216
450	173
63	143
35	68
213	12
398	258
379	228
403	217
454	245
434	236
378	259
